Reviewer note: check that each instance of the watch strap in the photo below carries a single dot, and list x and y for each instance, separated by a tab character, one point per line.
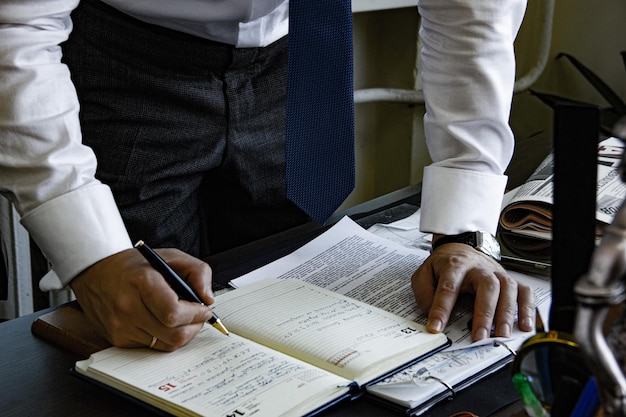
481	241
468	238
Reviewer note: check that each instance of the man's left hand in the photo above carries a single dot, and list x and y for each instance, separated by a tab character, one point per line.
456	268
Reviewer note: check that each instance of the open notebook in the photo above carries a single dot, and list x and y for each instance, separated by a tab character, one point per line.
294	349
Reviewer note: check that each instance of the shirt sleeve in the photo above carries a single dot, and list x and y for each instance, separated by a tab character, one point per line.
45	170
468	73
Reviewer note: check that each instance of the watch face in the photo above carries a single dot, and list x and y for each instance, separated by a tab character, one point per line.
482	241
488	244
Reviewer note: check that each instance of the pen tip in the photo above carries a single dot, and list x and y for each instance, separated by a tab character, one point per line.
219	326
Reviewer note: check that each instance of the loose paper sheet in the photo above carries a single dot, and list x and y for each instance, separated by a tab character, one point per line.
352	261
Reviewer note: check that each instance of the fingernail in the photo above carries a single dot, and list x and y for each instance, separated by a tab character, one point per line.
527	323
504	330
481	333
435	325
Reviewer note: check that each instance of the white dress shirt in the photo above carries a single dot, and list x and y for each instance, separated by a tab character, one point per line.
468	73
243	23
49	175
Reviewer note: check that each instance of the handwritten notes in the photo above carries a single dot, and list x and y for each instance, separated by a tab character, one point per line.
217	376
336	333
290	340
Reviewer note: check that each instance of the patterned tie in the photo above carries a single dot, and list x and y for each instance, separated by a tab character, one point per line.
320	106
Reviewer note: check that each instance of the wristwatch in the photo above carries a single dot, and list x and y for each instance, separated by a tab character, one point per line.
482	241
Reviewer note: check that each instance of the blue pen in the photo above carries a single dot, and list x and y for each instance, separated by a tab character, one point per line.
588	403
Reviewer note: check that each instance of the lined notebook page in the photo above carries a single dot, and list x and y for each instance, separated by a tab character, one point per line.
215	375
327	329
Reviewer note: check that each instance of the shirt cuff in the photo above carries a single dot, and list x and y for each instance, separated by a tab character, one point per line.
457	200
76	230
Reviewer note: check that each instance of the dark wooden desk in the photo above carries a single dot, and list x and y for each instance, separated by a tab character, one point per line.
35	374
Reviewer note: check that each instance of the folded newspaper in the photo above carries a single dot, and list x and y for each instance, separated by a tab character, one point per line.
527	210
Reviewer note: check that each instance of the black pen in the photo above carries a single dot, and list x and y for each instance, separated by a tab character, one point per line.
184	291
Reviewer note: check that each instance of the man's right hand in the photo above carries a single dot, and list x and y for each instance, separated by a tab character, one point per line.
129	302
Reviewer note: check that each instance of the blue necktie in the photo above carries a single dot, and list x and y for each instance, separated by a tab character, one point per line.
320	106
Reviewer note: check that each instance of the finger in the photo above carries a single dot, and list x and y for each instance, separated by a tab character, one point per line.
446	295
450	264
192	270
507	305
169	340
487	289
153	342
168	310
424	284
526	308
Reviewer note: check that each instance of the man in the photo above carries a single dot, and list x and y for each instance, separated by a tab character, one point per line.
182	105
